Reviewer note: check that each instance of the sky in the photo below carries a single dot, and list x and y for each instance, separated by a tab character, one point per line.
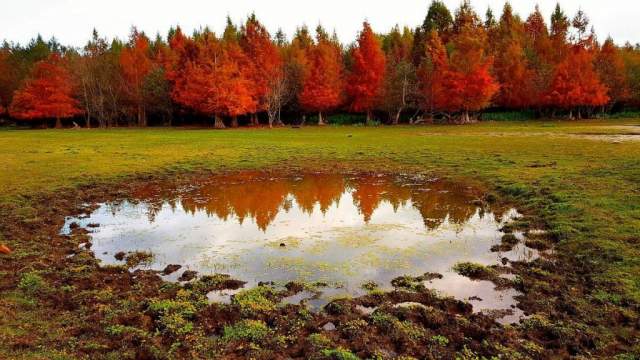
71	21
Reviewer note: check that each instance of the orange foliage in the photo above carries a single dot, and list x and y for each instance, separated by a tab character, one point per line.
432	73
322	81
48	93
209	78
136	64
575	82
265	60
365	81
611	69
469	85
514	76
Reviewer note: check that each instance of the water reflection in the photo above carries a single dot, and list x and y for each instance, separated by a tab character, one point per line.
342	230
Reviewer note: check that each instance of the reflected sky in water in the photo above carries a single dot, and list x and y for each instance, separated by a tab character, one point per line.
342	230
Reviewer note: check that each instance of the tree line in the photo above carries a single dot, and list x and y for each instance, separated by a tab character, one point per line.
451	68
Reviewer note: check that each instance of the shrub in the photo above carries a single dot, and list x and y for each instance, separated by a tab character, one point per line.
31	283
509	115
345	119
254	331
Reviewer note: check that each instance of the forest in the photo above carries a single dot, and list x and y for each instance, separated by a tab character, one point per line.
499	220
453	68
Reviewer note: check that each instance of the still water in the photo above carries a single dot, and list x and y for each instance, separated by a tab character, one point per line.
344	230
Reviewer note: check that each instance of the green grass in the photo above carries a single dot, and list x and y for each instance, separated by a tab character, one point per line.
585	186
598	180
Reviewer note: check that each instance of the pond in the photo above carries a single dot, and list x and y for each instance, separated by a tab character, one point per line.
342	230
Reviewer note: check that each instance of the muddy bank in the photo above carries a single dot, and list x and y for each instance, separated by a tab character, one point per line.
111	311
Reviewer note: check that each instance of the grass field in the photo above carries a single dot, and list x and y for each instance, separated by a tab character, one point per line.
582	179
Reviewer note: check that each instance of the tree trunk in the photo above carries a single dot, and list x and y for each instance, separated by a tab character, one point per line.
234	121
320	120
396	120
58	123
368	117
88	121
571	114
465	117
218	123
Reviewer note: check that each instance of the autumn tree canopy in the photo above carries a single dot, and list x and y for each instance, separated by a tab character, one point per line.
322	80
367	74
136	65
452	68
47	93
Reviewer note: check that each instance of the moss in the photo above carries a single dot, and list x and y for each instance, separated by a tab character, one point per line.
208	283
473	271
139	258
258	299
174	316
370	286
32	284
509	239
319	341
122	330
254	331
440	340
339	354
353	328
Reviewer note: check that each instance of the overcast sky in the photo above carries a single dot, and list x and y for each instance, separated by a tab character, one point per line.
71	21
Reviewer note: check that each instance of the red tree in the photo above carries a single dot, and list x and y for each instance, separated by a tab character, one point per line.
538	48
265	61
611	69
136	64
367	75
510	65
432	73
209	78
576	84
469	84
48	93
322	82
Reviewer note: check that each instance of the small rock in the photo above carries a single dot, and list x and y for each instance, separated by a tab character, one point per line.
283	245
120	255
329	327
170	269
74	225
93	225
476	298
188	275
